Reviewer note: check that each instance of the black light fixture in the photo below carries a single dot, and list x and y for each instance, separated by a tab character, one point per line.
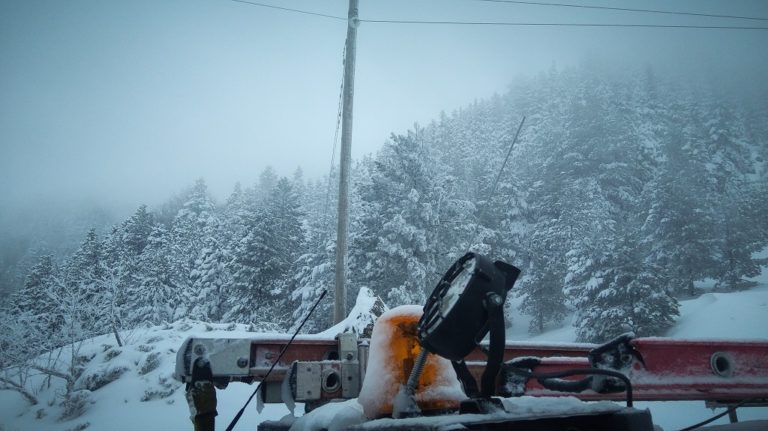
459	311
466	304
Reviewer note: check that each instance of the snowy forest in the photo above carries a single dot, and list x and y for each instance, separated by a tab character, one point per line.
622	191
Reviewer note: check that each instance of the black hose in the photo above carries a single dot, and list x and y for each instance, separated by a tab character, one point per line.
579	372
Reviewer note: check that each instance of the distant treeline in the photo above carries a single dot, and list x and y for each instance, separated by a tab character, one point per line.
620	193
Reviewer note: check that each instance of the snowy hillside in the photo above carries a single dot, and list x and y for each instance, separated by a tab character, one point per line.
130	387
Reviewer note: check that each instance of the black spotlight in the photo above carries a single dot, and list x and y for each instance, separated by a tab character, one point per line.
466	304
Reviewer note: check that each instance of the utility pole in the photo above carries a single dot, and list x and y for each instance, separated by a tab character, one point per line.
339	311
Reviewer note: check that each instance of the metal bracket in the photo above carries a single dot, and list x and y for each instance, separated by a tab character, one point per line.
617	354
308	381
350	365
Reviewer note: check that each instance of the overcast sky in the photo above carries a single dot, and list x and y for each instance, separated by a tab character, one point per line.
130	101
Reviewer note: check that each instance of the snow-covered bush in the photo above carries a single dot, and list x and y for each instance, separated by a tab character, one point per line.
151	362
80	427
166	387
101	377
111	354
75	404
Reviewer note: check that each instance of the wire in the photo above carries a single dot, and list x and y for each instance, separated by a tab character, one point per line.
498	176
290	10
528	24
621	9
335	138
279	357
560	24
715	417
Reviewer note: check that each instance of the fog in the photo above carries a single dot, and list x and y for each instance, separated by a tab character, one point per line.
120	103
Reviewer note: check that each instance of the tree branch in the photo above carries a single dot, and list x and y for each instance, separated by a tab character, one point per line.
54	373
13	386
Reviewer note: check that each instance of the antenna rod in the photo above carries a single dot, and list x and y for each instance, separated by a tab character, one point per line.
339	310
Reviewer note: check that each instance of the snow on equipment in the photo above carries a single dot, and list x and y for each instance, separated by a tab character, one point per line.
419	370
395	354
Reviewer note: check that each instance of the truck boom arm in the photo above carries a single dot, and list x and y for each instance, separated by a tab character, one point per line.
659	368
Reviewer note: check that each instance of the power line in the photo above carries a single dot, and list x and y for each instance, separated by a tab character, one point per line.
533	24
621	9
561	24
335	139
290	10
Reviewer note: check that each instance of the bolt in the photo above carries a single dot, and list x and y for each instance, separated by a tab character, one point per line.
495	299
350	356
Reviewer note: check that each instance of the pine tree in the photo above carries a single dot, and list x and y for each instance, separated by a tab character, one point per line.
195	223
284	214
680	229
315	273
543	287
136	230
123	249
35	295
157	298
86	275
267	181
624	295
121	273
233	220
264	259
731	168
398	223
211	280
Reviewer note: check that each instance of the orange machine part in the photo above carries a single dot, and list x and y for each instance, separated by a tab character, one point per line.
393	351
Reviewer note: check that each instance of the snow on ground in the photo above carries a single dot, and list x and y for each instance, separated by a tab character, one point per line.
724	315
144	396
518	331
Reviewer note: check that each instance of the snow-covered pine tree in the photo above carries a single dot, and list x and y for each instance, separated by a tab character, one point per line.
285	218
267	180
299	185
250	267
731	172
547	241
136	230
122	249
195	222
397	224
121	272
264	259
542	287
85	277
679	223
233	216
625	294
211	281
35	295
315	272
156	298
